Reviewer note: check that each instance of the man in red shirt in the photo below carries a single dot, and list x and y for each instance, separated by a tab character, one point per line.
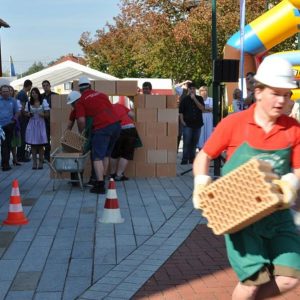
106	128
125	145
266	254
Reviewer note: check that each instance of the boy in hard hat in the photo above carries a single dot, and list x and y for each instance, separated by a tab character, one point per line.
266	254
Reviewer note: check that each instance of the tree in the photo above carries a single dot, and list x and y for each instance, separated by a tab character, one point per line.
166	38
37	66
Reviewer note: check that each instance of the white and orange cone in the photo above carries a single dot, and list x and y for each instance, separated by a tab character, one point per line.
15	214
111	212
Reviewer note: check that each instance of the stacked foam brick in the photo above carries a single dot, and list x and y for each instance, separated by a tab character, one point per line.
156	122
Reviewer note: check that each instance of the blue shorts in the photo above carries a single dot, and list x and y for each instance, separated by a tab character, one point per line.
103	140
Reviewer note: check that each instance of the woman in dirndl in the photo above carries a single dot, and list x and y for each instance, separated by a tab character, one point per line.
37	109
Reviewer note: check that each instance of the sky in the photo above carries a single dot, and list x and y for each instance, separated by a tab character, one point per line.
45	30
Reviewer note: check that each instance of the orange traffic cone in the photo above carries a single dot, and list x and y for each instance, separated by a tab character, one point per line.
15	214
111	213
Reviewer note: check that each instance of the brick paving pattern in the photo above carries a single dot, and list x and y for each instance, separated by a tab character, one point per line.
198	270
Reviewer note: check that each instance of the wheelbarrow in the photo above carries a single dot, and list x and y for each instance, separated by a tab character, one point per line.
68	162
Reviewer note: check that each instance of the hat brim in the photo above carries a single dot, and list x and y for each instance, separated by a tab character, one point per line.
271	82
72	101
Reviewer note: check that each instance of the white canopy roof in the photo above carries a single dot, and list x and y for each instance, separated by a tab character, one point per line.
61	73
157	83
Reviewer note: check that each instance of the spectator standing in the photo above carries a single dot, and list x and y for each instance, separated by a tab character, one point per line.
37	110
105	128
181	91
147	88
250	81
295	113
124	148
290	105
237	101
9	111
47	95
207	115
16	138
190	113
23	97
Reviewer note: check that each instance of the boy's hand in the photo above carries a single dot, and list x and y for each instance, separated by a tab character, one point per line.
200	182
289	185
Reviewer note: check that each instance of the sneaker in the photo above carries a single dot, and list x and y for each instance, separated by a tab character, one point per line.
121	178
98	188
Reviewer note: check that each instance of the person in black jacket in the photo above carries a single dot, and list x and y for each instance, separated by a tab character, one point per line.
190	114
47	95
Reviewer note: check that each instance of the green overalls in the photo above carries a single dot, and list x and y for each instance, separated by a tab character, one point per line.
274	239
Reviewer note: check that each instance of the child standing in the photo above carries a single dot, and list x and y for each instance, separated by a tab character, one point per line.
37	109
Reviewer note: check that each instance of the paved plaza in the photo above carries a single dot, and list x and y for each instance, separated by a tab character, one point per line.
163	250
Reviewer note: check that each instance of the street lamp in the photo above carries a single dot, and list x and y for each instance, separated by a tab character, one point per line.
5	25
215	91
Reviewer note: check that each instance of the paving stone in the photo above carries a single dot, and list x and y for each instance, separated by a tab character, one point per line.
11	267
75	286
59	256
61	242
48	296
101	270
25	281
4	287
53	278
92	295
82	250
122	294
81	267
35	259
6	238
28	201
88	210
18	295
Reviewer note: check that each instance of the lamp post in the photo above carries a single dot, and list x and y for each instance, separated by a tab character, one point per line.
214	57
215	91
5	25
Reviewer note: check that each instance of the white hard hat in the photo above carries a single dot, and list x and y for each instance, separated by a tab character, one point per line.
73	96
276	72
83	81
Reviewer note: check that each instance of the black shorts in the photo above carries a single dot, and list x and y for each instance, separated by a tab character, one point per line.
125	145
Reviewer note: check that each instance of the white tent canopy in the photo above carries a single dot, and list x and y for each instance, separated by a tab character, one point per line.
61	73
157	83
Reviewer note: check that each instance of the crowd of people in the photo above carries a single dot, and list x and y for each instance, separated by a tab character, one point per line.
25	120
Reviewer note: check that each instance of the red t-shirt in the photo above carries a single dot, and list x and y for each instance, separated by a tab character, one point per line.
122	112
240	127
96	105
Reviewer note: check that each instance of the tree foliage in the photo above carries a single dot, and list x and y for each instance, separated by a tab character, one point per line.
166	38
37	66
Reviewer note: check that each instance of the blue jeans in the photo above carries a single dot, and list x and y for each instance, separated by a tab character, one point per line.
190	140
103	141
